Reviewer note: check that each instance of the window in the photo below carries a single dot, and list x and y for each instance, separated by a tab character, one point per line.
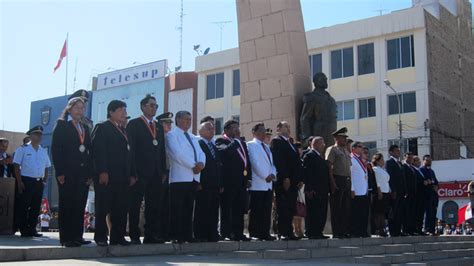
236	118
407	102
236	82
400	53
219	125
407	145
367	108
342	63
345	110
365	59
215	86
315	64
372	146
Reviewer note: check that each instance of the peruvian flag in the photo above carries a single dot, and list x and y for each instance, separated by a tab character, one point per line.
61	56
465	213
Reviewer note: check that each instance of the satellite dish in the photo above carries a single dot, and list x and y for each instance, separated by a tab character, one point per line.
207	50
196	47
178	68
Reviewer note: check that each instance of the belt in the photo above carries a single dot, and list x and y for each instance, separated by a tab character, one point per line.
37	178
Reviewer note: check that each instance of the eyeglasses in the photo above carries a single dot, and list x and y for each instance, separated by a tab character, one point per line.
153	105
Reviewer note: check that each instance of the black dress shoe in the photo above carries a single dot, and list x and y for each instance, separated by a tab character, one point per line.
320	237
177	241
241	238
136	242
84	242
154	240
36	234
101	243
122	242
72	244
268	238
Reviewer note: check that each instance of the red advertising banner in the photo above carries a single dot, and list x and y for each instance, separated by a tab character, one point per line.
453	189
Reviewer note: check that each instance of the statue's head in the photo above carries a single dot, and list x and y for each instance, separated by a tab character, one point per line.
320	81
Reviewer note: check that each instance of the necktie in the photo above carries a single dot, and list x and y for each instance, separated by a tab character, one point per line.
211	148
5	166
268	155
191	142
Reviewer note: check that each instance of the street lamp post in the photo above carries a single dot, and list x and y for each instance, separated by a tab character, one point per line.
400	138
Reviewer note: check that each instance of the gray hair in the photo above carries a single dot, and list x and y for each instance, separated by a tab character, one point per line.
316	139
205	125
181	114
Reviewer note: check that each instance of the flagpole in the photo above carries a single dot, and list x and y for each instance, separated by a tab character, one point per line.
67	59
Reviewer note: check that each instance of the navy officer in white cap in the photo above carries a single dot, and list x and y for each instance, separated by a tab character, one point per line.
31	163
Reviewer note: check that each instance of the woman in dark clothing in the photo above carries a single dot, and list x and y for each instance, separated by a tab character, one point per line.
70	148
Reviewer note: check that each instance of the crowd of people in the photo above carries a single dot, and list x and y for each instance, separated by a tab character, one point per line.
198	188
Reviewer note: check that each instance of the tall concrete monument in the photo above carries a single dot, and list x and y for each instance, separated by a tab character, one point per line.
274	68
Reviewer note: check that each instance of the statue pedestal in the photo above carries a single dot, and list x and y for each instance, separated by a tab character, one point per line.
274	67
7	200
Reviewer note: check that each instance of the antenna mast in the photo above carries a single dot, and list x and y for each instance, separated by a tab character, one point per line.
180	28
221	25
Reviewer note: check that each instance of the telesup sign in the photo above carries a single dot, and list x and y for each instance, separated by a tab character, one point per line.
453	189
126	76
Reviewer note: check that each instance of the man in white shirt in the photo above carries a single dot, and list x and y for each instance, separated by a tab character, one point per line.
359	188
31	164
186	163
263	174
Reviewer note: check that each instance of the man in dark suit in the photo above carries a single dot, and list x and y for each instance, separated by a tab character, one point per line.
114	165
316	179
288	165
398	191
420	197
6	160
147	141
236	166
409	202
431	194
206	212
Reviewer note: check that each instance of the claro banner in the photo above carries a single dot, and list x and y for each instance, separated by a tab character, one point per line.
453	189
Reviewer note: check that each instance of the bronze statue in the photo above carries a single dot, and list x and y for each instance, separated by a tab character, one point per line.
319	113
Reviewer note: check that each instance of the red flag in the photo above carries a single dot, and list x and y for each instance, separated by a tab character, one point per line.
465	213
61	56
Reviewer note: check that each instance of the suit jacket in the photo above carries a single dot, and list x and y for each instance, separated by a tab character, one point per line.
150	160
110	153
181	156
429	174
67	159
232	164
419	181
10	169
262	166
397	178
315	174
410	178
211	175
287	161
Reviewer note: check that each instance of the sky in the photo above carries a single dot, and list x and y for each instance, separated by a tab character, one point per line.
111	34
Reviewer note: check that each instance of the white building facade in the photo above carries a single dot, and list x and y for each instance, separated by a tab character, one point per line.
356	57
